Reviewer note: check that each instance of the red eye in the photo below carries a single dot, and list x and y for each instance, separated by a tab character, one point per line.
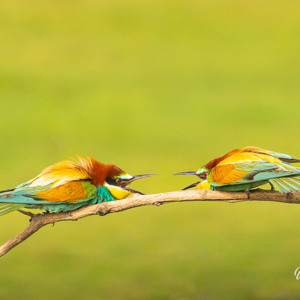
205	174
118	180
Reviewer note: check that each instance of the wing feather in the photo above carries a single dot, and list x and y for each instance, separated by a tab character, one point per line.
69	192
67	181
249	167
226	174
283	157
63	172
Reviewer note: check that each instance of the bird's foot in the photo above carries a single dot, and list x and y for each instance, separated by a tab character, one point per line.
272	187
248	194
289	196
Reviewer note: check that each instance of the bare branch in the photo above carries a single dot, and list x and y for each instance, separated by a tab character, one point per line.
39	220
27	213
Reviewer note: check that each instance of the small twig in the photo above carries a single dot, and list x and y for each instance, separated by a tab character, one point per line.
102	209
27	213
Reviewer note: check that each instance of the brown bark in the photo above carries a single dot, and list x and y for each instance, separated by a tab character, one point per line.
39	220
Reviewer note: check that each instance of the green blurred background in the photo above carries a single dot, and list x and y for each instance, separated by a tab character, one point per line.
154	87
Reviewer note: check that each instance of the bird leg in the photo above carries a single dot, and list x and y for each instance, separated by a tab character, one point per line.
272	187
248	194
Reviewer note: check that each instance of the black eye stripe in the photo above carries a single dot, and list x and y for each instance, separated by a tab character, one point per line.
111	181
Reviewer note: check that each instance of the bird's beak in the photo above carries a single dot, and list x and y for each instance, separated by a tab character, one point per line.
125	183
186	173
191	185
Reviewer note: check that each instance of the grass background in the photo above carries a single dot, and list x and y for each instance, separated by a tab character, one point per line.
154	87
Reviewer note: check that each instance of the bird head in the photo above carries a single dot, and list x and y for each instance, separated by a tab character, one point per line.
116	182
202	174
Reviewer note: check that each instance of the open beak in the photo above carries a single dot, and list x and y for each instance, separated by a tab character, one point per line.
191	185
125	183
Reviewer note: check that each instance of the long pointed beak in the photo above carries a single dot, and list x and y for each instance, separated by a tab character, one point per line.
186	173
191	185
142	176
135	178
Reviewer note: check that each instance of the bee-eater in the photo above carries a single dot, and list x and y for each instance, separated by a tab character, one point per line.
69	185
247	168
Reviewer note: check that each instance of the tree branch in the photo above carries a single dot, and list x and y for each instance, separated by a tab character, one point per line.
37	221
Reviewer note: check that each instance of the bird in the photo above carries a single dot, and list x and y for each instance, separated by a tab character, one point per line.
70	185
246	168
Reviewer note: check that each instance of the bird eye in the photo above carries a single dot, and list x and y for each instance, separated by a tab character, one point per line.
205	174
118	180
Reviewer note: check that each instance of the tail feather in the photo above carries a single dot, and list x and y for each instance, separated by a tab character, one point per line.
285	157
6	208
6	191
286	184
295	179
278	186
294	182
